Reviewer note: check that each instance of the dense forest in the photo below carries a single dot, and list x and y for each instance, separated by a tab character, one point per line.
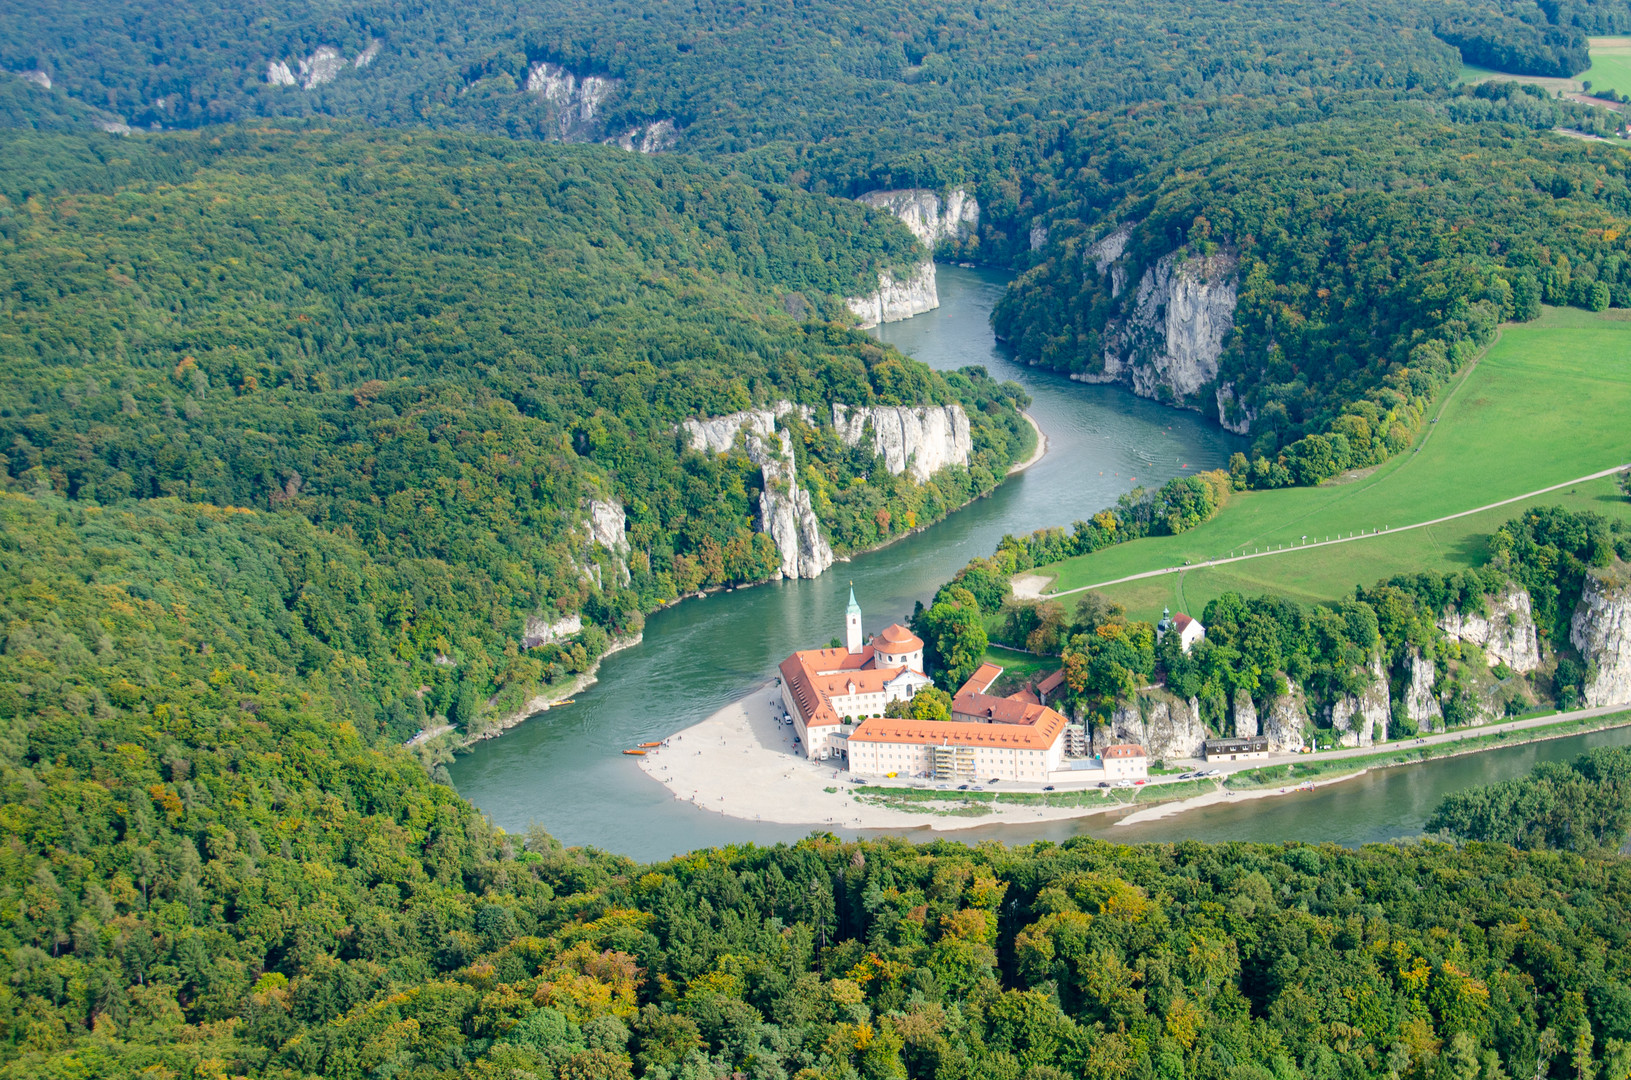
209	873
439	349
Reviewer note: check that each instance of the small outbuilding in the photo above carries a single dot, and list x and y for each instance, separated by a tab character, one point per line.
1241	749
1126	761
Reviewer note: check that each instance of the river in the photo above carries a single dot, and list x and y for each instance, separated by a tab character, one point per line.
563	770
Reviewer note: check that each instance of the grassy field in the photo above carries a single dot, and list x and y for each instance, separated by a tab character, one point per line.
1549	402
1018	668
1471	73
1610	65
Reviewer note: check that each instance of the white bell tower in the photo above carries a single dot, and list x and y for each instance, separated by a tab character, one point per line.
852	623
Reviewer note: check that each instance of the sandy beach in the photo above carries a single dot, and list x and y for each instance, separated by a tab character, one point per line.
740	762
1039	453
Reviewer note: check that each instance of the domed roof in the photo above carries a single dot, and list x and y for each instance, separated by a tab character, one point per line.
896	638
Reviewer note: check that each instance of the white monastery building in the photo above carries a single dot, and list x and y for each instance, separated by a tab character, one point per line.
829	691
837	697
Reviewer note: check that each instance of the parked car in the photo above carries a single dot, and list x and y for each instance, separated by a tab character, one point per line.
1048	788
1189	776
995	779
962	787
976	787
1140	783
1124	783
942	787
1104	783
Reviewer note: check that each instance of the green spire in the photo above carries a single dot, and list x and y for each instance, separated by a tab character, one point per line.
854	608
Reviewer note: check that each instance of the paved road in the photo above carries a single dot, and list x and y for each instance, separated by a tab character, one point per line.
1339	540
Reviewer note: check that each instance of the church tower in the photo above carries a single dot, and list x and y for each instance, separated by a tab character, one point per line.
852	623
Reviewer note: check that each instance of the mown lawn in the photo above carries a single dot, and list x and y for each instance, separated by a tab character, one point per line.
1610	65
1550	401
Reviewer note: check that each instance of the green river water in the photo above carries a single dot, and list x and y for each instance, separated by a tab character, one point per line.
563	770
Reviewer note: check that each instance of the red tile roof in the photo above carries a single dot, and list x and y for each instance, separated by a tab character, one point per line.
1051	683
981	680
898	639
1181	621
1038	736
1124	750
983	708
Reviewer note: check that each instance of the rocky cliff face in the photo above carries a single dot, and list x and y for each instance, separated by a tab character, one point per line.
1105	255
1506	633
1233	415
895	300
540	631
606	526
925	439
784	508
657	137
931	219
576	101
1361	719
1245	715
1419	703
322	66
1601	630
1165	726
1285	721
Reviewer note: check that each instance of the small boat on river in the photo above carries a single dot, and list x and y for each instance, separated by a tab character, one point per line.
635	753
649	745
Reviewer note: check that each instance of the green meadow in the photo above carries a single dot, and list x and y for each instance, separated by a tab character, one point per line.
1610	64
1549	401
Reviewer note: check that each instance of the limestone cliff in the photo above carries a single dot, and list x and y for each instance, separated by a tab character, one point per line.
1245	715
576	101
932	220
322	66
784	508
1167	727
925	439
541	631
894	300
606	525
1601	630
1506	632
1166	339
1361	719
657	137
1419	703
1285	721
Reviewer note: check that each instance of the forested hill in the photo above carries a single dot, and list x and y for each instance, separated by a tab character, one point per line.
441	349
1367	257
858	94
207	874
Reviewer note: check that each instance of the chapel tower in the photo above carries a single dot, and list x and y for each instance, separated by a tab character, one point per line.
852	624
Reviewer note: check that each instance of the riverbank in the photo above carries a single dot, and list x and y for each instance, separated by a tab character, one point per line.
545	699
741	763
1041	450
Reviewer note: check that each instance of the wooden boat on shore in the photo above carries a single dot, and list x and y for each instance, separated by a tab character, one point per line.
649	745
635	753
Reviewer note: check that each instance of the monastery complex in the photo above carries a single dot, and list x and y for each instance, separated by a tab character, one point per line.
836	699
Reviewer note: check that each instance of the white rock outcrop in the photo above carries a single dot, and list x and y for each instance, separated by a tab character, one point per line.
1285	721
1419	703
1167	727
322	66
657	137
37	77
1245	715
1233	415
1361	719
1601	630
367	56
1506	632
924	439
784	509
897	299
933	220
577	101
606	526
785	512
1173	338
1039	236
1105	255
540	631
